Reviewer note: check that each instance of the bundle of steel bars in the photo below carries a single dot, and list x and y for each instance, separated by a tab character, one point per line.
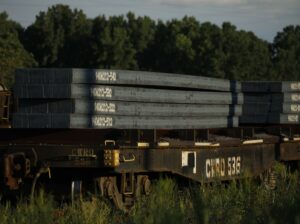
271	103
96	98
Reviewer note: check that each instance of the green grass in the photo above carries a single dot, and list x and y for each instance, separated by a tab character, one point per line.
237	202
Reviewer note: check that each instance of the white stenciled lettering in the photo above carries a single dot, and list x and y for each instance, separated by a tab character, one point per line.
105	92
102	121
213	166
295	108
216	167
105	107
293	118
208	168
295	97
222	168
83	152
295	85
106	76
238	165
229	166
233	165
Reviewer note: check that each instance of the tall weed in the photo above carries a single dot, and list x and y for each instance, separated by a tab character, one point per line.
163	205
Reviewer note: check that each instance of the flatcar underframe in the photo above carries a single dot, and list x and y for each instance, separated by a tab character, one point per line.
122	162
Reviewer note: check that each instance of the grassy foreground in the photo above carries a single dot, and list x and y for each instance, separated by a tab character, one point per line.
242	202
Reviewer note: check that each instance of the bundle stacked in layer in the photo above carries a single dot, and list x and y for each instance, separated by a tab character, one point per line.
271	103
95	98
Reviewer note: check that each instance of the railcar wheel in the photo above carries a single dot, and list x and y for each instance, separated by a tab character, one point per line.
123	193
268	179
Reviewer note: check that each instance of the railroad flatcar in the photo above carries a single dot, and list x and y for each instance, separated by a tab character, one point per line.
120	163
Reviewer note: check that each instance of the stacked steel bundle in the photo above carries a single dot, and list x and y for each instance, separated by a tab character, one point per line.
95	98
271	103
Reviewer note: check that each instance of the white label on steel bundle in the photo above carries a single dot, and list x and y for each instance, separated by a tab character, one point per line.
105	107
101	92
293	118
295	97
295	85
98	121
106	76
295	108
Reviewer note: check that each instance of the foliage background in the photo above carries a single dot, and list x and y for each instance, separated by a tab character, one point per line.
65	37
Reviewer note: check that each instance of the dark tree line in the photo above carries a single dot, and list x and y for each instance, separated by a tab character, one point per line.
62	37
12	52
